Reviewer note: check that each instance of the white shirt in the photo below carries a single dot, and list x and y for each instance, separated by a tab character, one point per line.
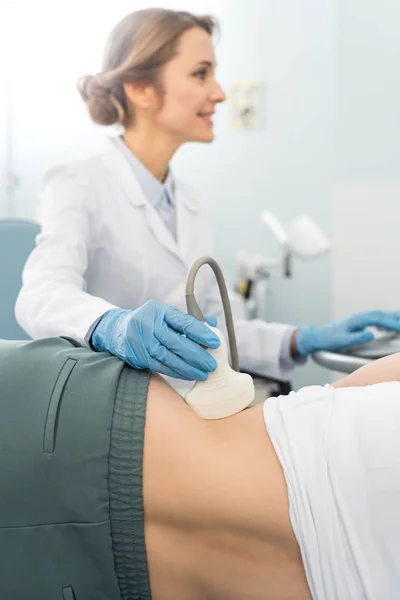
340	453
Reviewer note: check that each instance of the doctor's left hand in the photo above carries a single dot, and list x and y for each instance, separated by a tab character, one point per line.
345	332
158	337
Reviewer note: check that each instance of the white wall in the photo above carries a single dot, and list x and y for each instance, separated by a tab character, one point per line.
287	167
366	199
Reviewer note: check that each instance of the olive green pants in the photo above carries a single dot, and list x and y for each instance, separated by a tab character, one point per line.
71	445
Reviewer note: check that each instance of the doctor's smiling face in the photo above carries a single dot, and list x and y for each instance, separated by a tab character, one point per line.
158	78
181	103
190	91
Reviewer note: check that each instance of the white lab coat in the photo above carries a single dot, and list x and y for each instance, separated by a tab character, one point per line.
102	245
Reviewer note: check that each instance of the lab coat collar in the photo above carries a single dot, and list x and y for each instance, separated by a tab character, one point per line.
155	191
184	195
122	172
120	169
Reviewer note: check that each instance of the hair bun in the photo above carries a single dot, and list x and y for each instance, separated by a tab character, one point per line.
102	107
91	85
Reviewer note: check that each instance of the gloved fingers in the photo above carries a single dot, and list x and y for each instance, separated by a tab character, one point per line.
158	367
211	320
377	318
183	347
164	361
388	320
191	327
363	337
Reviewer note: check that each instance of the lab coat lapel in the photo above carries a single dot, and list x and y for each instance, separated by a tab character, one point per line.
123	173
160	231
186	213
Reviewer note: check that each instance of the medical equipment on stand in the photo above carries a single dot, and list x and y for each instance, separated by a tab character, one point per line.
304	239
301	238
226	391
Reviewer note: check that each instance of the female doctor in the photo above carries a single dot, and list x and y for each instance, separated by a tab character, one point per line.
119	231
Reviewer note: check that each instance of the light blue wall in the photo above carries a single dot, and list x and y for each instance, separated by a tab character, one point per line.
366	199
368	87
286	167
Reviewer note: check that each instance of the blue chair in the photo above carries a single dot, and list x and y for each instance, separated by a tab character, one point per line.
17	239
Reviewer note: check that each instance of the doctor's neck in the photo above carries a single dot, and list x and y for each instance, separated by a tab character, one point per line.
152	149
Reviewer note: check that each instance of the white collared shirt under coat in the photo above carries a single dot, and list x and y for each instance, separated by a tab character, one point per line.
103	245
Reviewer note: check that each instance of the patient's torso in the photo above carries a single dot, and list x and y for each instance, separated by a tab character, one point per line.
217	518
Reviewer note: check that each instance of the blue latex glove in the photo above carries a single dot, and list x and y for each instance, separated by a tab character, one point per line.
150	337
344	333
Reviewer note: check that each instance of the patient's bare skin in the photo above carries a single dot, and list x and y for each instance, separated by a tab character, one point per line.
379	371
216	507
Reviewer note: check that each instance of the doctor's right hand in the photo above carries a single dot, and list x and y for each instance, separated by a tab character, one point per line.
153	337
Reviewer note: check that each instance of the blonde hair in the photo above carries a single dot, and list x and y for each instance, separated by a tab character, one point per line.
135	51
